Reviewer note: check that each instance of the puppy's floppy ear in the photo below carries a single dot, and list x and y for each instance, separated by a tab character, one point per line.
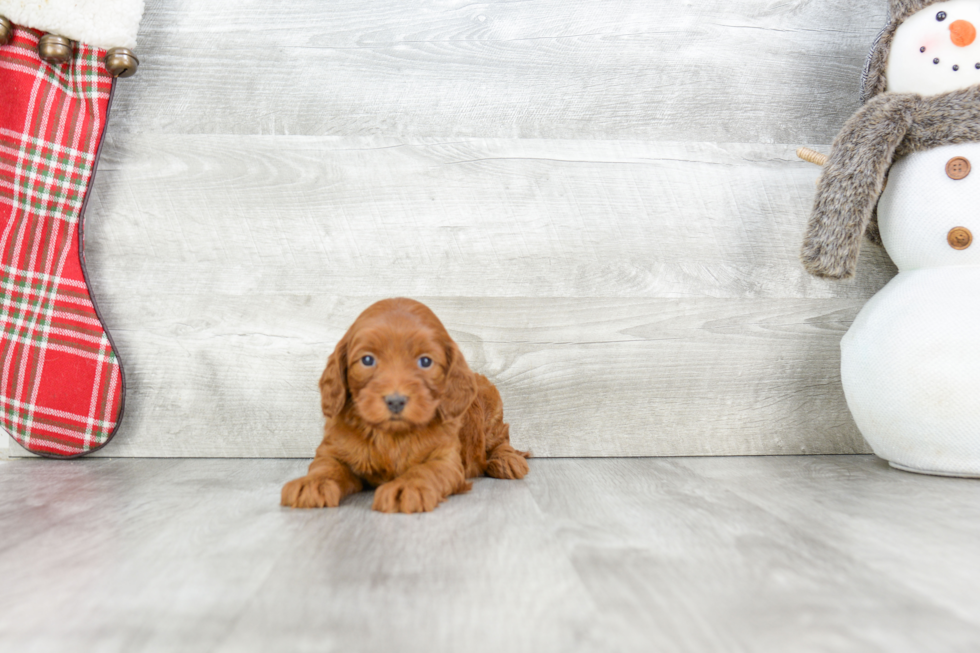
460	384
333	381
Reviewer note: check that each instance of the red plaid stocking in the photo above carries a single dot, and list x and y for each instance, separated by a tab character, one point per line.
60	380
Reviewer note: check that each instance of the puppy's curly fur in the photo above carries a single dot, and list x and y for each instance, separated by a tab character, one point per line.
416	452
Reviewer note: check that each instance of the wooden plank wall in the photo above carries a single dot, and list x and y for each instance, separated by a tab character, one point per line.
599	198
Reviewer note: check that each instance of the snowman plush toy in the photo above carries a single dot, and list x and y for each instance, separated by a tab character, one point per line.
901	173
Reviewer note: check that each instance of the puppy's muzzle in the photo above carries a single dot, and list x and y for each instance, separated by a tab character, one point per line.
396	403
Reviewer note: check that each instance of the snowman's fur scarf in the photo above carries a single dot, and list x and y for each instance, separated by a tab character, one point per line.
899	10
875	82
888	126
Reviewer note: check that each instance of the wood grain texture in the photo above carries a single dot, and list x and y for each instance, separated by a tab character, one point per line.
230	376
197	556
804	554
764	554
703	71
601	201
921	537
467	218
618	316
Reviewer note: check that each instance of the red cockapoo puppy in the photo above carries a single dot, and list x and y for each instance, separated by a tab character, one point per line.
406	415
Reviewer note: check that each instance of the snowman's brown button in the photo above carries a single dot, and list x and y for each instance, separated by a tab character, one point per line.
959	238
957	168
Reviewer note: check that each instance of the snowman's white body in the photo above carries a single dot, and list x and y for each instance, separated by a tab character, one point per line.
910	363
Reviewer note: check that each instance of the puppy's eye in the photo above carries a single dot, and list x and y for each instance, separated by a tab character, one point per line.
425	362
941	16
368	361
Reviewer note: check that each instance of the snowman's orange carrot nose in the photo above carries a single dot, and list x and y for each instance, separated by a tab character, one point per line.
962	33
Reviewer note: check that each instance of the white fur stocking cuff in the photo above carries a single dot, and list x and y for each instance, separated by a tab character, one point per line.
100	23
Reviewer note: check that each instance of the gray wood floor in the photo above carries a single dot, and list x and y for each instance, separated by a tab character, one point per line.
599	199
697	555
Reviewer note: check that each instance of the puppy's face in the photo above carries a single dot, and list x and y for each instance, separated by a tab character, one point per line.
397	369
396	373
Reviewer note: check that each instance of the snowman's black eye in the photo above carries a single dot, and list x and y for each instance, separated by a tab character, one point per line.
956	67
977	66
936	60
922	49
941	16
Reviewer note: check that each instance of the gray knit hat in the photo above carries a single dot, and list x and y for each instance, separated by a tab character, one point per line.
873	79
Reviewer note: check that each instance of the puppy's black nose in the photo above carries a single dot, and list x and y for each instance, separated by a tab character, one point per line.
396	403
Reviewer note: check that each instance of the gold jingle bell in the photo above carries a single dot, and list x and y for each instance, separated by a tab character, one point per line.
6	31
121	62
55	49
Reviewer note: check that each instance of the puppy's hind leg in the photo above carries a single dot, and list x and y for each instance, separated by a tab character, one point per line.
504	461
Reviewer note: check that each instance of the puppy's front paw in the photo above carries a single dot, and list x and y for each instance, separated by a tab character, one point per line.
311	492
508	465
407	496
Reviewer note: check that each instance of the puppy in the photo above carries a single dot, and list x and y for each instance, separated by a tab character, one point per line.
405	415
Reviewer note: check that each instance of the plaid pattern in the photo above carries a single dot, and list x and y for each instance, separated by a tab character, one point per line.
60	380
